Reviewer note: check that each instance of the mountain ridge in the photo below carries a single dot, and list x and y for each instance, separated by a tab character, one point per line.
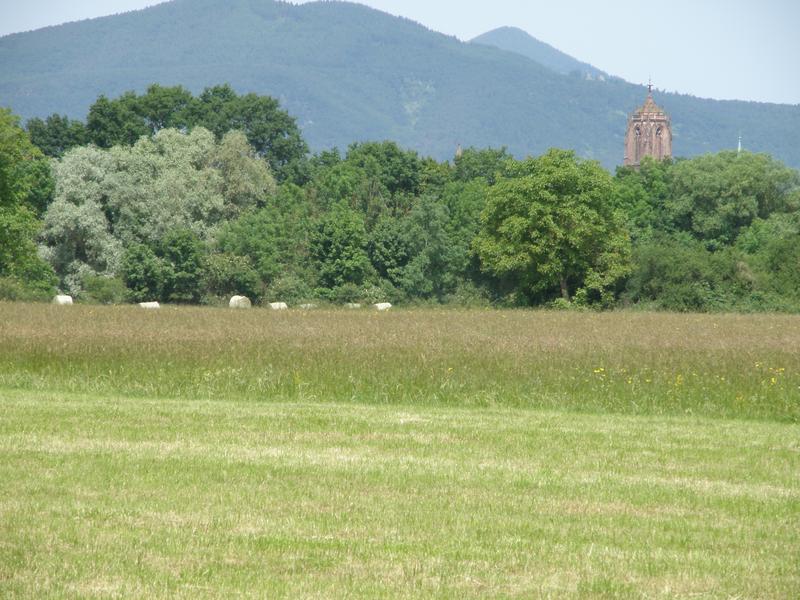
519	41
351	73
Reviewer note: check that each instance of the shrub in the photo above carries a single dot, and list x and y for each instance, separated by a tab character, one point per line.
348	292
228	274
98	289
13	289
291	289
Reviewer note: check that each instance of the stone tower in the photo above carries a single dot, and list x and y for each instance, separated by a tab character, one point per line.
649	133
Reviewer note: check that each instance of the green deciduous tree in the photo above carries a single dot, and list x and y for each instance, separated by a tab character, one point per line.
57	134
229	274
274	237
164	107
338	246
113	122
489	164
716	196
414	252
184	254
271	131
676	272
108	200
172	272
24	179
553	226
246	179
146	274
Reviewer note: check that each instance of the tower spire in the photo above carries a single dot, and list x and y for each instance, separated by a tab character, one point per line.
649	86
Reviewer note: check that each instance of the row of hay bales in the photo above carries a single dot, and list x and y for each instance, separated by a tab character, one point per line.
244	302
64	300
235	302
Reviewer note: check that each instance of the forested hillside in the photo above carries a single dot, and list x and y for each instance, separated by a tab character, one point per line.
349	73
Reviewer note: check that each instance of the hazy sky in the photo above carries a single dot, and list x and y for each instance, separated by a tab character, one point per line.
745	49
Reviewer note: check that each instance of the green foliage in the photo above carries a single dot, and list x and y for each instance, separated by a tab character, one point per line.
716	196
396	171
338	246
115	122
229	274
201	211
553	225
57	134
488	164
107	200
717	232
24	182
414	253
173	272
97	289
345	293
270	131
184	255
246	180
290	288
642	195
681	274
165	108
772	247
145	274
273	238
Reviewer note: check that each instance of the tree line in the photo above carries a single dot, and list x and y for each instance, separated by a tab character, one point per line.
171	197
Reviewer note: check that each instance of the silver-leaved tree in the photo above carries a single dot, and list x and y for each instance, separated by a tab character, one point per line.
109	200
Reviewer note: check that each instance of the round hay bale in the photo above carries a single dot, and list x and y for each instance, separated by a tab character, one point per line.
240	302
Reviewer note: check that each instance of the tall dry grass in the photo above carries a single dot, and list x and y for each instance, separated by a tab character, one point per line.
739	366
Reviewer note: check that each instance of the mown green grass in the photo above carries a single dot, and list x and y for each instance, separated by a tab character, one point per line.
131	497
210	453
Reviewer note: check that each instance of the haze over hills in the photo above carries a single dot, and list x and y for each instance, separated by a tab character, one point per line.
350	73
516	40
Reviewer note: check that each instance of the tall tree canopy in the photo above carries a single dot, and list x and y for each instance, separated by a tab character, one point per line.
553	225
171	196
271	131
107	200
24	182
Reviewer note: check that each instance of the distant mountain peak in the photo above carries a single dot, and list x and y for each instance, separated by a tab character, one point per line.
514	39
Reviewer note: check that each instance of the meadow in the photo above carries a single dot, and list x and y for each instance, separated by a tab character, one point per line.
200	452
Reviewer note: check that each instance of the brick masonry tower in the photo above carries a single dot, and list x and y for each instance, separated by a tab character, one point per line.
649	133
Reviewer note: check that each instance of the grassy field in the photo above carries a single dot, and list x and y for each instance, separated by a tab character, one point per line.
213	453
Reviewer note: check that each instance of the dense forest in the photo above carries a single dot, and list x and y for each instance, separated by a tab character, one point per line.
349	73
189	199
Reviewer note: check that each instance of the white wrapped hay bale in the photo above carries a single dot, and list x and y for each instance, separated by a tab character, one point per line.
278	305
382	306
308	306
149	305
240	302
352	305
63	300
